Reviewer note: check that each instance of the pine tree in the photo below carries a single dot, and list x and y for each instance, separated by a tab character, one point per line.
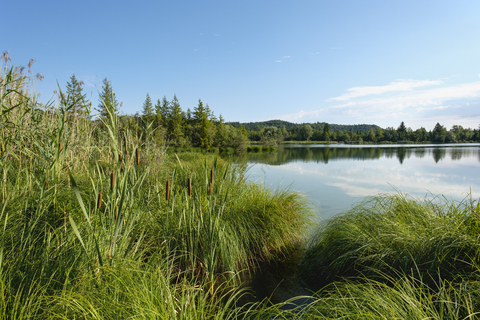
161	111
76	100
204	129
147	106
175	123
107	102
221	136
402	131
326	132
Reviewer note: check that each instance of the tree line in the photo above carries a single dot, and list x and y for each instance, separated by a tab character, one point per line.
270	134
165	120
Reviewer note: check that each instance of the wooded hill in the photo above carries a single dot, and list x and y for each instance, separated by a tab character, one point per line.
256	126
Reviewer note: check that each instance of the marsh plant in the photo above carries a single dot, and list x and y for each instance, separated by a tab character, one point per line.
91	228
99	222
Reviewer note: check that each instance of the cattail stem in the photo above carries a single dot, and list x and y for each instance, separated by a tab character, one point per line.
110	249
211	187
64	218
99	201
189	186
112	180
167	195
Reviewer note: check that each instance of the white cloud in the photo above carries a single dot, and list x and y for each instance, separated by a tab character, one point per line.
286	57
399	85
277	61
445	107
411	101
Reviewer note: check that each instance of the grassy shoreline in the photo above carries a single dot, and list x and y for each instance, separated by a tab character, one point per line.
99	222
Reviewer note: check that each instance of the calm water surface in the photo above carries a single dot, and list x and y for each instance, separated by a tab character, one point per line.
335	177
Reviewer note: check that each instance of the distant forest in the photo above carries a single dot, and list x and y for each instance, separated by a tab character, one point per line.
276	131
167	121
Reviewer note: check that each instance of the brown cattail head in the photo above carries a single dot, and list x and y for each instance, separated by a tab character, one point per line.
211	176
112	180
137	156
189	186
121	163
59	147
167	194
99	201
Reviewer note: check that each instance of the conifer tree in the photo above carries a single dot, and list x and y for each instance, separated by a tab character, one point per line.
107	102
221	136
175	123
326	132
76	99
402	131
204	129
147	106
161	111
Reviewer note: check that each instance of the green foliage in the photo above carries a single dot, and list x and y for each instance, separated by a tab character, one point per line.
108	103
88	232
394	234
77	98
147	107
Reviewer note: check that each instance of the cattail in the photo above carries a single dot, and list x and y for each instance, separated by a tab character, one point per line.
99	201
110	249
112	180
137	156
211	176
167	195
59	147
64	218
189	187
121	164
125	144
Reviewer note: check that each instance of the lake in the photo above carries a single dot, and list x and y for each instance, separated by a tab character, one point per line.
335	177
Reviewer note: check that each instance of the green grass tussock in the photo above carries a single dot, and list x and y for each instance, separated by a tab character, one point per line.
391	234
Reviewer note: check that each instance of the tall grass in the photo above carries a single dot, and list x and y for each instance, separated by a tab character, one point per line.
89	232
397	234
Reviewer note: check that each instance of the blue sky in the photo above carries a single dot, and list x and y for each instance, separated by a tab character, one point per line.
345	62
